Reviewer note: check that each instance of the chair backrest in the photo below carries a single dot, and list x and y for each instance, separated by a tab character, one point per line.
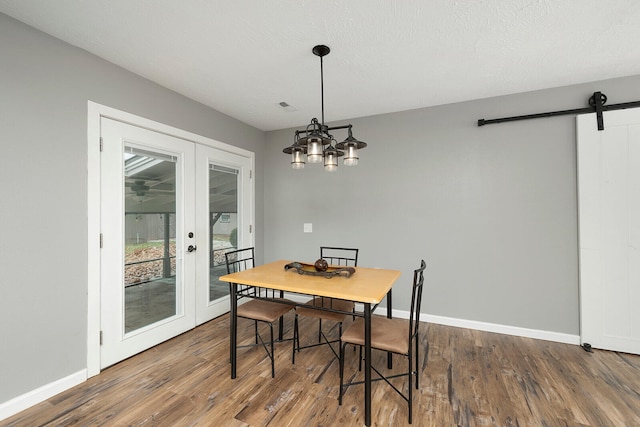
239	260
416	300
339	256
244	259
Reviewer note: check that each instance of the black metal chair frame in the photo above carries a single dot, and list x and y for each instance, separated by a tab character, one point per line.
242	262
344	256
414	323
339	259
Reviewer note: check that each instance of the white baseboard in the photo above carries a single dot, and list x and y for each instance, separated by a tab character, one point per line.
297	297
20	403
482	326
500	329
504	329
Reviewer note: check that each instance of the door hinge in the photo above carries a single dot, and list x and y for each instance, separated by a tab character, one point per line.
100	337
250	228
100	144
250	173
100	240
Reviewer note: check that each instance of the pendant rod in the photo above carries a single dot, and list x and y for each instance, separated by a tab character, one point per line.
322	90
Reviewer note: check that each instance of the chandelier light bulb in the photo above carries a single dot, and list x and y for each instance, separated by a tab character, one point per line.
297	159
351	156
330	161
314	152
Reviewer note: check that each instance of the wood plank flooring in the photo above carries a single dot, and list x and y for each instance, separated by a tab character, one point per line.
469	378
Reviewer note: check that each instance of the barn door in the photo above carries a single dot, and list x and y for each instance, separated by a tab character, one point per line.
609	220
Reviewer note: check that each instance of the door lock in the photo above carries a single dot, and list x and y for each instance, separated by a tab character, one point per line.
191	248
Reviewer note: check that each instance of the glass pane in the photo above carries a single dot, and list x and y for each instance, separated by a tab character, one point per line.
150	238
223	224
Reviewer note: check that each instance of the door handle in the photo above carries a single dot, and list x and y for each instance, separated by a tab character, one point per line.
191	248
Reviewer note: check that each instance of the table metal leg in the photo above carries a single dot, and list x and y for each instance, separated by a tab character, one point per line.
281	322
234	327
389	308
367	364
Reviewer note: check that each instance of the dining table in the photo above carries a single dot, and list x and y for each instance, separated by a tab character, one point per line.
366	286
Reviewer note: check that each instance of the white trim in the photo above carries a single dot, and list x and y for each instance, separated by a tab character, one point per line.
502	329
297	297
93	239
20	403
94	113
396	314
131	119
472	324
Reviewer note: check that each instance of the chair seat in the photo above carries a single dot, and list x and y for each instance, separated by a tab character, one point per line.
398	336
386	334
324	302
266	311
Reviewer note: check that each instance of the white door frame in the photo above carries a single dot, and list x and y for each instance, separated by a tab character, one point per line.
95	112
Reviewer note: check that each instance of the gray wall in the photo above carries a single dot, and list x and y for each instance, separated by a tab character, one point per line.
492	209
45	85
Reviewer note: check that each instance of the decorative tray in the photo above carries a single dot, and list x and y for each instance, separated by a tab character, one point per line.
310	269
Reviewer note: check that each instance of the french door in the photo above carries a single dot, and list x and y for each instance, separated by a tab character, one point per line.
222	203
170	209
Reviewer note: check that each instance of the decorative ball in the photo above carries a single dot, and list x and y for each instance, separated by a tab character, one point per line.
321	265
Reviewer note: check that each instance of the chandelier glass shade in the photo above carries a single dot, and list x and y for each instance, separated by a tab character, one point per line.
315	144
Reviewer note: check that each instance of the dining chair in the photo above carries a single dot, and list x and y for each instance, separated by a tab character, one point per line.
399	336
338	257
256	309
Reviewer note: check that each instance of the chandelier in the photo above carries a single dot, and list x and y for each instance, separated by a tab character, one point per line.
315	144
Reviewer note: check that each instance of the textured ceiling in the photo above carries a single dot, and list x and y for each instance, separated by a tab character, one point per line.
243	57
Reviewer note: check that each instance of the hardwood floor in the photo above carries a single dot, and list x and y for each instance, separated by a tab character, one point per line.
469	378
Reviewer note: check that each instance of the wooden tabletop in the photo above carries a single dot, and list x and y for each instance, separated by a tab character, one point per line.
366	285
